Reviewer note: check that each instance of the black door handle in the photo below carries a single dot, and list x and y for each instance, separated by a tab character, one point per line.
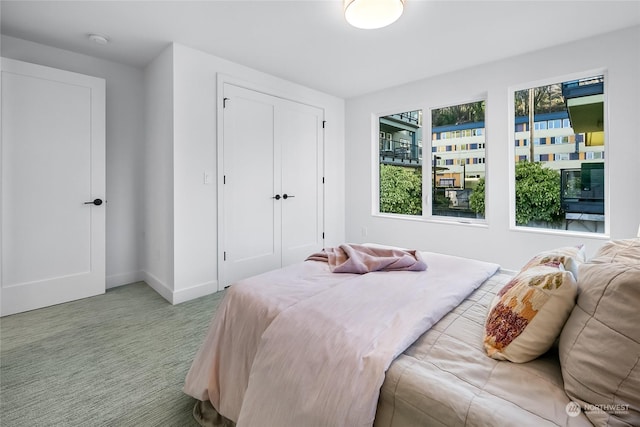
277	197
287	196
96	202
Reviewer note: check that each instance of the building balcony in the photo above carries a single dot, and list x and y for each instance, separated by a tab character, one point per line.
410	117
585	104
400	153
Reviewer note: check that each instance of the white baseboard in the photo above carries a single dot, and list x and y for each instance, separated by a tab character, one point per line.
158	286
116	280
193	292
181	295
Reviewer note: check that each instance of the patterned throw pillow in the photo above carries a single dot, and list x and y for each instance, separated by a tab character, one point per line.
570	257
528	314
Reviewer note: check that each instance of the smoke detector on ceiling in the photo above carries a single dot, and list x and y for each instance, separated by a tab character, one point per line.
99	39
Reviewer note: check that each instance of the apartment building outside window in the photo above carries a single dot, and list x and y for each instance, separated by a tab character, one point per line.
458	160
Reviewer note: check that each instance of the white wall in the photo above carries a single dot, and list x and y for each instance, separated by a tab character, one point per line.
616	52
194	90
157	209
161	138
125	136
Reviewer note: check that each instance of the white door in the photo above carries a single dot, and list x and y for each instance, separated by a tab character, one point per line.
301	140
53	169
251	201
272	191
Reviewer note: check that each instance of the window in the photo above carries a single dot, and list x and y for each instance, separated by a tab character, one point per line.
570	116
555	124
400	163
458	183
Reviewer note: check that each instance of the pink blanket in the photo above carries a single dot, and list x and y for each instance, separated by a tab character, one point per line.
362	259
301	346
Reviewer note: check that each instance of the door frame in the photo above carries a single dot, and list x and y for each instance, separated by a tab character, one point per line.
223	79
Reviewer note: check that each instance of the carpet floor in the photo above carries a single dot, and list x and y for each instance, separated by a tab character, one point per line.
118	359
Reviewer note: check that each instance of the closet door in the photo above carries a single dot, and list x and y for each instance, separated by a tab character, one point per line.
53	168
300	135
251	230
272	191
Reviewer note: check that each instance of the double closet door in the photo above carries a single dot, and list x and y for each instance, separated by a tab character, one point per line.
271	194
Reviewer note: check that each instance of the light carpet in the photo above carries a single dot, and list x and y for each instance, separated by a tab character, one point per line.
118	359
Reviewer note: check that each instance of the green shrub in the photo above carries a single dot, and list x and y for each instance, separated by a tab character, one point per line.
400	190
537	193
476	200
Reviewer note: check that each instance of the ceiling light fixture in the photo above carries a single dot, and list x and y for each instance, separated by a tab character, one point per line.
99	39
370	14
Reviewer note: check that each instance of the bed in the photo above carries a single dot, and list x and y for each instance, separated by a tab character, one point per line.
303	346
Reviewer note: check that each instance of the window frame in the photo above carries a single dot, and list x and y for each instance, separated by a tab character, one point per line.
427	167
427	188
375	162
512	153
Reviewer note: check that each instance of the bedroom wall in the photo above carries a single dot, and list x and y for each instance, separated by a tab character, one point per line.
192	77
157	208
616	52
124	139
161	138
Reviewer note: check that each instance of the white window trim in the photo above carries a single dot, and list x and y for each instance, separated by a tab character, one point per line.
427	186
511	168
375	165
427	167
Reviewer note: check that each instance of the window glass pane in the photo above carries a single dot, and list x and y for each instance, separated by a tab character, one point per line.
459	166
400	161
559	180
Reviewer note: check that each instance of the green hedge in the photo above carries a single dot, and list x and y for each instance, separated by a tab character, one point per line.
400	190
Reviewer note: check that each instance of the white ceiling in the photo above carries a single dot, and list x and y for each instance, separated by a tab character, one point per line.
310	43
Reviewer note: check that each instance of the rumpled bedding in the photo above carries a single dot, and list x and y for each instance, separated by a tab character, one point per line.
360	259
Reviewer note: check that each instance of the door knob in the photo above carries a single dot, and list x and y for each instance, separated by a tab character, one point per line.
287	196
277	197
96	202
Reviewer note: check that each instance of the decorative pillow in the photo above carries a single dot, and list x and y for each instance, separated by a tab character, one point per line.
527	315
570	257
600	343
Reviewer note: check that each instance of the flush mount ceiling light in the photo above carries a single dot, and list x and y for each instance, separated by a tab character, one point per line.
370	14
99	39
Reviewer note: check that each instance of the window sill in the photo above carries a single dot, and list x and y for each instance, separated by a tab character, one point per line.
471	222
560	232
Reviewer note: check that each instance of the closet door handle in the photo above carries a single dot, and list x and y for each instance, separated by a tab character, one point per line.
96	202
277	197
287	196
